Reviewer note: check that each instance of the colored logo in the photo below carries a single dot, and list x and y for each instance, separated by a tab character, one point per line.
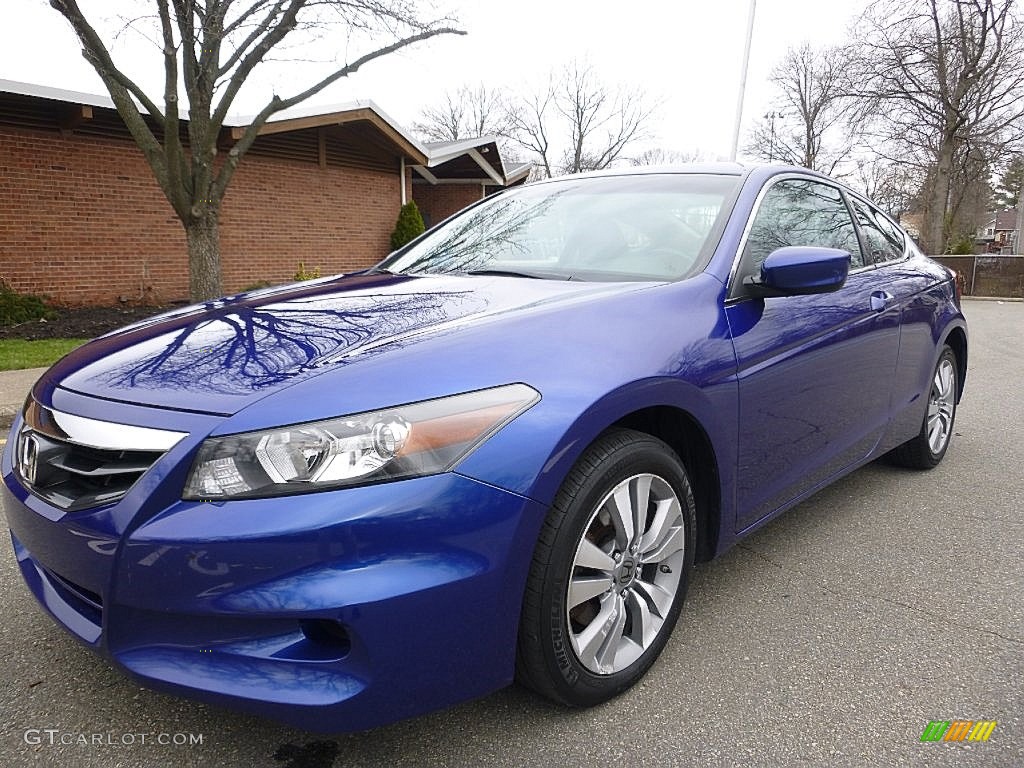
958	730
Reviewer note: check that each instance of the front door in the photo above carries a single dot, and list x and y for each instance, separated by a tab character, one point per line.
815	372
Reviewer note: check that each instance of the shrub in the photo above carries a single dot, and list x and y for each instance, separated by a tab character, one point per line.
306	274
962	246
20	307
257	286
409	226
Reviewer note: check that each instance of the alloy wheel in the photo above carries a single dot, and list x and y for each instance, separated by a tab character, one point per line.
625	573
941	403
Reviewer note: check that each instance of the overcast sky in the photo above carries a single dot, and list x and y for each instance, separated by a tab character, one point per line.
686	53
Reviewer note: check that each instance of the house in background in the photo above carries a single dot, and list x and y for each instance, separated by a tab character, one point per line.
83	221
1001	232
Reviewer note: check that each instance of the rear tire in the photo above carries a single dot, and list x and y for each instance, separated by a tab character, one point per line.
927	449
609	573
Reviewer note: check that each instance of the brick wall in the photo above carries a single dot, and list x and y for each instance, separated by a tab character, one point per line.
280	212
83	221
436	203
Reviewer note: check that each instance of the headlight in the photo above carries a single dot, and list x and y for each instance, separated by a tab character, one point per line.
409	440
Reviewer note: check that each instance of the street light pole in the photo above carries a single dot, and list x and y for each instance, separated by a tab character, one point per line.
743	82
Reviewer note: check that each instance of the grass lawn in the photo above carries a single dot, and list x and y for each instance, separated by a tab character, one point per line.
19	353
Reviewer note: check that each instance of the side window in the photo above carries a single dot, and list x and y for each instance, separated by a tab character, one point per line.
881	240
800	212
893	233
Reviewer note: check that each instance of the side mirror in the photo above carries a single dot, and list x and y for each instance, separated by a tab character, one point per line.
798	270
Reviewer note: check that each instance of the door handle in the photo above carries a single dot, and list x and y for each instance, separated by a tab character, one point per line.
880	300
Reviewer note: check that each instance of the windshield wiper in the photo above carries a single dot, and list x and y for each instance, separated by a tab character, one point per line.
517	273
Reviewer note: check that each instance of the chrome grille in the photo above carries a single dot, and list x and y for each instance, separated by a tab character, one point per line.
74	477
77	463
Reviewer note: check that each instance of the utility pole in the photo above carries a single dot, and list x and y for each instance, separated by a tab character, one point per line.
743	82
770	117
1018	238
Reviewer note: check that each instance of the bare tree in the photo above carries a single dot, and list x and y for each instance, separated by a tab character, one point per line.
970	197
892	185
468	112
601	123
662	156
944	82
810	122
209	48
590	124
529	125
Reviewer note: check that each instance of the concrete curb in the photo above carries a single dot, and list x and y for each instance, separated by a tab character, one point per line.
992	298
14	388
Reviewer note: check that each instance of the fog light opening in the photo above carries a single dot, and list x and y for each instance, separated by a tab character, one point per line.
327	634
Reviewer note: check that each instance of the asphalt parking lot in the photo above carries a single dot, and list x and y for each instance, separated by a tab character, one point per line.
830	637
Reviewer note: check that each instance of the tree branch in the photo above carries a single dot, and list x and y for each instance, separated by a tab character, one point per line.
174	152
277	104
96	54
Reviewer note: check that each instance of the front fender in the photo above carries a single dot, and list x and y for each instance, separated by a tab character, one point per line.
955	334
549	439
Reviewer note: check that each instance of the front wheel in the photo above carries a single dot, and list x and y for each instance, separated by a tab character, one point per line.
929	446
609	573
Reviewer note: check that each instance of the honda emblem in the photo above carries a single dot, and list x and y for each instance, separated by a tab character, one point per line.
28	459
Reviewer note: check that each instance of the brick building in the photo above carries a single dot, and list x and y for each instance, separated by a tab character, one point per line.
83	221
459	173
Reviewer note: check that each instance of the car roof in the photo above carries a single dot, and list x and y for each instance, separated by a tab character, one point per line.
717	168
720	169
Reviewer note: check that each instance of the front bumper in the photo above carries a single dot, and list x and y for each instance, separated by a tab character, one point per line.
332	611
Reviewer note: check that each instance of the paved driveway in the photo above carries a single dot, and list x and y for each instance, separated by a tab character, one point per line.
830	637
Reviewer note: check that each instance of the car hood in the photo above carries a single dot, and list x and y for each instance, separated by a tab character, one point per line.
222	356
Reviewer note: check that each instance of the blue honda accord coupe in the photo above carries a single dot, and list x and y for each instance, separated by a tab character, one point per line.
495	456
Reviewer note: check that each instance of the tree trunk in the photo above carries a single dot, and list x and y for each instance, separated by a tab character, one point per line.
203	237
936	229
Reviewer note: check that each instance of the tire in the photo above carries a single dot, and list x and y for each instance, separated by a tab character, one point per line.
600	604
927	449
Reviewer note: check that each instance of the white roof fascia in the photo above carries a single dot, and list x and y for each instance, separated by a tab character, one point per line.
302	110
451	150
518	173
55	94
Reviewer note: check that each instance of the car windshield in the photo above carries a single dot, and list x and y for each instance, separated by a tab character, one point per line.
628	228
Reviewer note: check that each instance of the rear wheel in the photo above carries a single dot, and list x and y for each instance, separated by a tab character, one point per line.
927	449
610	571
